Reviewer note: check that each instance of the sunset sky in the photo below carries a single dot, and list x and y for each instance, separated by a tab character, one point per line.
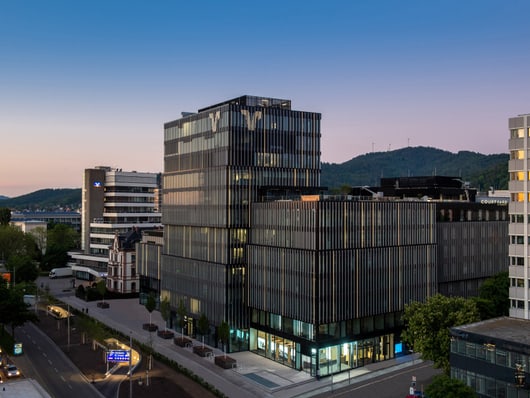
89	83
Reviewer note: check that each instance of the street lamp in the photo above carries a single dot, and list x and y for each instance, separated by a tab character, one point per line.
130	365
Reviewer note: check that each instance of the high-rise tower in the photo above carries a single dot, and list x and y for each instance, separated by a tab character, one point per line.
518	167
216	163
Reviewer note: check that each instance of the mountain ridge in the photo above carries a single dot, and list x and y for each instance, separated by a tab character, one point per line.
482	171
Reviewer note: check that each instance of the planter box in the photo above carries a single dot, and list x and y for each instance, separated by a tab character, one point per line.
225	362
165	334
151	327
103	304
181	341
202	351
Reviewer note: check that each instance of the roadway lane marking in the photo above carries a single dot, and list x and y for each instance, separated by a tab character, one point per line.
405	370
50	362
46	356
56	371
62	378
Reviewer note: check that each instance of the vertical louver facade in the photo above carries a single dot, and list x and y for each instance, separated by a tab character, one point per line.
215	161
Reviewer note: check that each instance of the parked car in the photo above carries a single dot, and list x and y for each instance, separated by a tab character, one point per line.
12	371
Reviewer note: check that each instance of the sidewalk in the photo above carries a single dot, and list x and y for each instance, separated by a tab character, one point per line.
254	376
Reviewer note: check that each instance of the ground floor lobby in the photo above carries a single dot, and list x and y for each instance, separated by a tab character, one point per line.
324	360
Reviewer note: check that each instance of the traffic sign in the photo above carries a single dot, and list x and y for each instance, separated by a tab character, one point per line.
17	349
118	356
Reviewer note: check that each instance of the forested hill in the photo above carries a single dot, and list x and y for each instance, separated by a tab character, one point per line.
46	199
482	171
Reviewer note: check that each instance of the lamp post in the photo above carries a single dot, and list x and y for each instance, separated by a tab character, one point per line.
68	326
130	365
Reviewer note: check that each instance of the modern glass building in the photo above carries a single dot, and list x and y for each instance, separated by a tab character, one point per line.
329	278
519	169
216	162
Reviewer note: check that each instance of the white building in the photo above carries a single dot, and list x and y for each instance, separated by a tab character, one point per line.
114	202
122	276
519	235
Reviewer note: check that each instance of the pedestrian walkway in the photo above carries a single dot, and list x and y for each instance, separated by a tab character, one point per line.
254	375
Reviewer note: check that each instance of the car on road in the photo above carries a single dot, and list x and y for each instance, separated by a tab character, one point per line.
12	371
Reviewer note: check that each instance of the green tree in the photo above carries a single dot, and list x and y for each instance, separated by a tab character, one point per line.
443	386
5	216
203	326
15	242
90	328
427	326
101	289
181	313
23	269
60	239
223	331
150	306
13	310
165	311
40	234
493	298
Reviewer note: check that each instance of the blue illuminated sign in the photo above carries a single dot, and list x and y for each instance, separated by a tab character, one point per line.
17	349
118	356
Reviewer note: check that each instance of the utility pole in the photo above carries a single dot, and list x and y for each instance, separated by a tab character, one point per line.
130	365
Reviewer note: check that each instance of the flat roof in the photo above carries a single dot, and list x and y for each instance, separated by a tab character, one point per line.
503	328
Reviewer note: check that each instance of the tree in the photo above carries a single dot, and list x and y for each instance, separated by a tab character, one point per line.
165	310
13	310
5	216
223	331
443	386
15	242
181	313
60	239
493	298
40	234
23	268
427	325
203	326
150	306
101	289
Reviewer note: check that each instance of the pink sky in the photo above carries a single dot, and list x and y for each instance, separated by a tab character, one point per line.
88	84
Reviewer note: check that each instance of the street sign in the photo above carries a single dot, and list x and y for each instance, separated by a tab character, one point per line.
17	349
118	356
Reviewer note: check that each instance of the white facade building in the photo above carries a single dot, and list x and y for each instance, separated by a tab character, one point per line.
519	235
114	202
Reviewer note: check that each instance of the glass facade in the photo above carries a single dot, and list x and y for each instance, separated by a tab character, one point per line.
215	162
328	279
494	367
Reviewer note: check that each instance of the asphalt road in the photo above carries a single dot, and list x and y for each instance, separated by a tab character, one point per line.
43	361
391	385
